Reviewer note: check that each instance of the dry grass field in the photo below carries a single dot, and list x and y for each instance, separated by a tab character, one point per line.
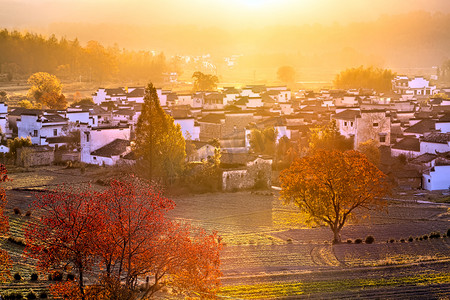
270	253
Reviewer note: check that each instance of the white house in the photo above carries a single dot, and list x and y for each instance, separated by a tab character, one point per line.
188	126
437	178
435	142
39	127
108	95
443	124
96	137
111	153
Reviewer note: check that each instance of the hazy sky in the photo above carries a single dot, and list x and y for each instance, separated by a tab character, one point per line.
224	13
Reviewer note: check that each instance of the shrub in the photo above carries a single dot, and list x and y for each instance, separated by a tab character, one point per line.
28	213
43	295
349	241
410	239
31	295
70	277
370	239
358	241
34	277
448	232
435	235
17	211
421	238
289	241
56	276
402	240
19	296
17	276
18	242
392	240
425	237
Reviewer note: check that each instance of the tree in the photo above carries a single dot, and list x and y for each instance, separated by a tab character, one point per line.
46	89
328	137
159	142
263	141
371	150
286	74
123	235
204	82
329	185
17	143
368	78
64	236
5	261
28	104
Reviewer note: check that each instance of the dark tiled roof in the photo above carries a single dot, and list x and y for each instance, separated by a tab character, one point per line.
444	119
424	158
422	127
18	111
125	112
116	147
54	118
60	139
138	92
212	118
408	143
115	92
437	137
348	114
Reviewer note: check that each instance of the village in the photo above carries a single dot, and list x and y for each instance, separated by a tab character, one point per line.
410	125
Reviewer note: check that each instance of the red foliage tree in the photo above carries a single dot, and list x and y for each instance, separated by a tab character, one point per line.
125	233
5	261
64	236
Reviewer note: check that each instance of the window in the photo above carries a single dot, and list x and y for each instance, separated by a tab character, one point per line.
375	124
345	123
55	132
351	124
87	137
95	158
382	139
429	180
35	133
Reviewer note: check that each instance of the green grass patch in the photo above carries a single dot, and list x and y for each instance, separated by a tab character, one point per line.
277	290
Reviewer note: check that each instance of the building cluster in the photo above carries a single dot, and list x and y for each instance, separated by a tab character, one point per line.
412	122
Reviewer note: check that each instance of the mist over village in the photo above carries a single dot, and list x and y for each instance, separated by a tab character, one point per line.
252	149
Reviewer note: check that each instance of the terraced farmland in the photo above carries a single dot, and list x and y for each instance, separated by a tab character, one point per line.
270	253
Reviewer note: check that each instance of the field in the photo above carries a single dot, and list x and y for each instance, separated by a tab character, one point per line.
270	253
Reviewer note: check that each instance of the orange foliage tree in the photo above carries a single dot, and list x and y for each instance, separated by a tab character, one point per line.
5	261
124	239
329	185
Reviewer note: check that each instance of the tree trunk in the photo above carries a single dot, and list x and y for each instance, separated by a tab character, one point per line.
337	236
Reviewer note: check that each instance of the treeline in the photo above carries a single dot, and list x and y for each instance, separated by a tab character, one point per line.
368	78
22	54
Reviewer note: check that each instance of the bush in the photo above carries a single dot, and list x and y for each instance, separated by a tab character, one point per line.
425	237
31	295
56	276
448	232
17	211
349	241
410	239
358	241
28	213
435	235
43	295
34	277
18	242
392	240
17	276
70	277
402	240
370	239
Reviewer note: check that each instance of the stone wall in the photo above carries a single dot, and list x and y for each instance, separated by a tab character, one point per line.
35	156
257	174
